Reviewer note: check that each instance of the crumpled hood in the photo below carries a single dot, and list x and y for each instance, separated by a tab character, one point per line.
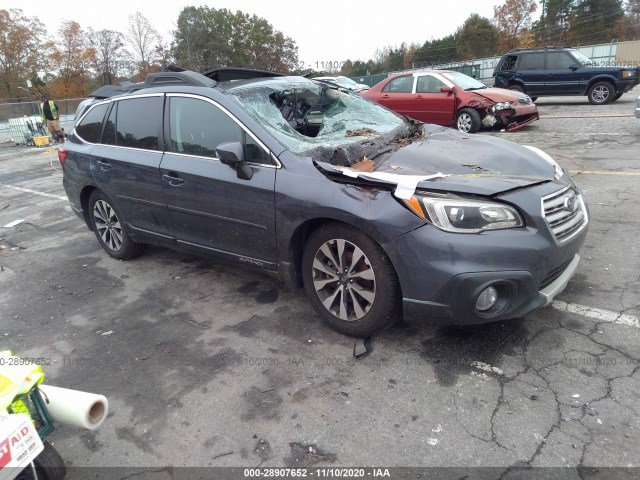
476	164
499	94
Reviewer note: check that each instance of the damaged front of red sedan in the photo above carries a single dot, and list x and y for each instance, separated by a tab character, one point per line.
454	99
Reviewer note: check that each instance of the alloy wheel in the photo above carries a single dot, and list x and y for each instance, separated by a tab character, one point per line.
600	94
464	122
344	279
107	225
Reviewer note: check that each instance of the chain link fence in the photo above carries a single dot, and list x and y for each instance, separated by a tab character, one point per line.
20	122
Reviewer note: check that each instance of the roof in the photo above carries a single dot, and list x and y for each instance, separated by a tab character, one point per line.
537	49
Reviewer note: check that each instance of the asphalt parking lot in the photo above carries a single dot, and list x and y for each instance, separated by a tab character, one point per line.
210	364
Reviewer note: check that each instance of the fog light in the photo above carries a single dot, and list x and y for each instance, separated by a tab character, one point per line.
487	299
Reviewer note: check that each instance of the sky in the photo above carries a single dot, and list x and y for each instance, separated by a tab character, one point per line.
325	30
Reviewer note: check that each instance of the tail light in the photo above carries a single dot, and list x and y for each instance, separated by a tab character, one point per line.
63	153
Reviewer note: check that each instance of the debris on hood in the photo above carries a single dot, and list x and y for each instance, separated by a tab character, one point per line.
364	165
405	184
362	132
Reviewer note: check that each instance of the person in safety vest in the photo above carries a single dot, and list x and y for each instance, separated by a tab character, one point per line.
49	111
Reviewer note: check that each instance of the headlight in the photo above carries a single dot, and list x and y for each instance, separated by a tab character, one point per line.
460	215
627	73
502	106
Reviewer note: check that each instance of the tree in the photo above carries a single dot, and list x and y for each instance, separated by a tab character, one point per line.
409	54
477	38
437	51
346	68
21	39
72	58
554	23
110	56
595	21
143	40
513	20
207	38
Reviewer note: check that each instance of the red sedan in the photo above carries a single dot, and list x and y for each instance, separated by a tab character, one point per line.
453	99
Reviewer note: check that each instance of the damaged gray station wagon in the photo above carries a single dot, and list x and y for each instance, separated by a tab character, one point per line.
376	215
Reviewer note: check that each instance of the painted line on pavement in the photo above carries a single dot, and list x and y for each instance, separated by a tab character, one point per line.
587	116
34	192
597	313
601	172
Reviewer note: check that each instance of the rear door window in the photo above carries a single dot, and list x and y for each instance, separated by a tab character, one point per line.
429	84
399	85
533	61
139	122
89	128
559	60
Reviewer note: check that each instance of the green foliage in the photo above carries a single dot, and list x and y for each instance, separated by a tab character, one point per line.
208	38
477	38
20	58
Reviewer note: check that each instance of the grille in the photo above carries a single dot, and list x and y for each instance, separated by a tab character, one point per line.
525	100
553	275
565	213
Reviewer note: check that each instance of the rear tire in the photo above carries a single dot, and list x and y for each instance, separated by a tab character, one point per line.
350	281
468	120
601	93
110	228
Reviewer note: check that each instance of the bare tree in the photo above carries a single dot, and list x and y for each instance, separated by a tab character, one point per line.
109	54
143	40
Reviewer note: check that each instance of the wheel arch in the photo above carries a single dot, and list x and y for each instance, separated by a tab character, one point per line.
299	239
85	194
601	78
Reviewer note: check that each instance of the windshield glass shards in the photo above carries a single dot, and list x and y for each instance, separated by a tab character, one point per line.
321	121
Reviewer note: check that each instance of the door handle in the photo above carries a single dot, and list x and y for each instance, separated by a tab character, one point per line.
104	165
385	96
173	179
419	96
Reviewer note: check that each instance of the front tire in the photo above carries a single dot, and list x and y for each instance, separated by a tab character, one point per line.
601	93
350	281
109	227
49	465
468	120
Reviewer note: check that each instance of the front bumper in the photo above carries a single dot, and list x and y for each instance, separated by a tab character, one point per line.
523	115
442	274
512	118
455	305
623	86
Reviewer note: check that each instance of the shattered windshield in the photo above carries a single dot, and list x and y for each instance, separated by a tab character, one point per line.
305	115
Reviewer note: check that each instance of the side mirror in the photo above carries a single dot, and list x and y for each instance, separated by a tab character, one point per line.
574	67
446	89
232	154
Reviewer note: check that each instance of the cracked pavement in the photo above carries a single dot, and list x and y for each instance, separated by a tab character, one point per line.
208	358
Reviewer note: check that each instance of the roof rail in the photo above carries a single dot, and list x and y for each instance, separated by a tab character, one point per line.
231	73
549	47
185	77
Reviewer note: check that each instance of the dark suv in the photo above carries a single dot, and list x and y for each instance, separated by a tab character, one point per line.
374	214
554	71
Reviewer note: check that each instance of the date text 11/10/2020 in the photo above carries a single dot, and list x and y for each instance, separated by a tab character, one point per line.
322	66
